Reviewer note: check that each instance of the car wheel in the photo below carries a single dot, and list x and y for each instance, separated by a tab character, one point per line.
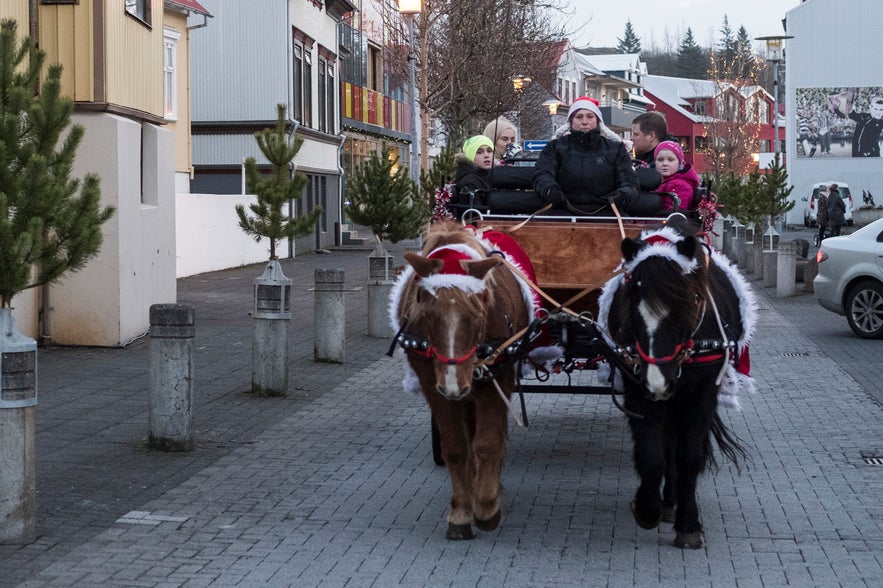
864	310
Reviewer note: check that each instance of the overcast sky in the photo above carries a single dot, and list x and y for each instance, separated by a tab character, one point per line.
605	19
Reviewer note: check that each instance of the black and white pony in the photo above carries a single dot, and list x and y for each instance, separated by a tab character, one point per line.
679	319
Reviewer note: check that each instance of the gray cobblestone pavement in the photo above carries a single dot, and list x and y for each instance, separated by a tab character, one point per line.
335	486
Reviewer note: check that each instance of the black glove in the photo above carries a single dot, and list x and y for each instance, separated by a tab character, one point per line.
621	200
555	196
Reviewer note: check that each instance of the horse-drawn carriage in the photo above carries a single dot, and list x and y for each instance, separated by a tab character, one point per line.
467	313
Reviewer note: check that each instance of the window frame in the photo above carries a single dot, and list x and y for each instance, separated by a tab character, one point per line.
143	16
170	71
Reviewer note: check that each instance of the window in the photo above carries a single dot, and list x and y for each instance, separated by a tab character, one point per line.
298	82
701	144
140	9
699	106
375	69
170	86
323	120
308	89
330	93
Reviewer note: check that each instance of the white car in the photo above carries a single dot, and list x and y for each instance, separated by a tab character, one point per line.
850	279
810	203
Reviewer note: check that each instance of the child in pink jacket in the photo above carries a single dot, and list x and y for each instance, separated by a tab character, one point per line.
678	176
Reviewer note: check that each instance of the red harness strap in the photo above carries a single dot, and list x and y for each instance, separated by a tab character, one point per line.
679	349
433	352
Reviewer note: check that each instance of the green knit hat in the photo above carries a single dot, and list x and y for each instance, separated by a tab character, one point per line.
470	147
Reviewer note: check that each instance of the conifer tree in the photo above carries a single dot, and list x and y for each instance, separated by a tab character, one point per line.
692	62
726	47
774	194
443	170
50	223
277	190
630	42
383	198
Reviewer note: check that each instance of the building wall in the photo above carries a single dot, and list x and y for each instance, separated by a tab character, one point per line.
242	68
208	236
240	62
843	56
108	302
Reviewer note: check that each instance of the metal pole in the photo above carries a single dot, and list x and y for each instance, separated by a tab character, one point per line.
776	103
412	59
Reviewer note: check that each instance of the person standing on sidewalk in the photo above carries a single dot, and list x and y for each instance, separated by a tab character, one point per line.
822	215
836	210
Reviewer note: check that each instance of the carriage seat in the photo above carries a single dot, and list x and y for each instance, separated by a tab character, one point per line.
512	193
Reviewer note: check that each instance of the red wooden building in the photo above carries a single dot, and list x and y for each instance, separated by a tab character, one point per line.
690	106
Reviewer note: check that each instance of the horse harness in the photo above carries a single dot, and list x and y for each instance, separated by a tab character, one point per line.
690	353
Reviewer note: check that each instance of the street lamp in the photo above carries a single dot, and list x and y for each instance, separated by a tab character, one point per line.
410	9
552	105
775	55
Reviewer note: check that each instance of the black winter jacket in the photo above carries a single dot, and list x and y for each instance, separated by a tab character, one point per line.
587	167
469	178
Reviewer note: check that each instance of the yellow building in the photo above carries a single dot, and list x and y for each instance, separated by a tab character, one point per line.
125	66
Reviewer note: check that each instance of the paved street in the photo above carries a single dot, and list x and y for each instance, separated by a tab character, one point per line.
335	486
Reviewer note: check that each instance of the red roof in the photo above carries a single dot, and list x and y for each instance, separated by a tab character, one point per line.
190	5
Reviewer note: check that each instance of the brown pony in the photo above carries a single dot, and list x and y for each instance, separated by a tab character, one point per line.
453	300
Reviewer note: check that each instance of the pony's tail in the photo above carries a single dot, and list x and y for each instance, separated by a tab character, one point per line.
729	444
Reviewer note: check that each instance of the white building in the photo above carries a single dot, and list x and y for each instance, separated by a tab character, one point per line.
832	68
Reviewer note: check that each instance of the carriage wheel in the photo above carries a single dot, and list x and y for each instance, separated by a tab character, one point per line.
436	444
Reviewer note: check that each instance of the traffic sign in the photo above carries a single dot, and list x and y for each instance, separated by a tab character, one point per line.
535	145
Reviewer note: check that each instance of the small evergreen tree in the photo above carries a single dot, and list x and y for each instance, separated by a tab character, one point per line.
692	62
50	223
383	198
630	42
443	169
774	194
277	190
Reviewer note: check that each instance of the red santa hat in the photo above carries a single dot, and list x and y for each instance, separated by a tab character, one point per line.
585	103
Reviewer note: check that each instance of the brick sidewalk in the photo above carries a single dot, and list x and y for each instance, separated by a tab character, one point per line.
335	485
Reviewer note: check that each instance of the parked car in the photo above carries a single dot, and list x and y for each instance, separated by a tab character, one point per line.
850	279
810	203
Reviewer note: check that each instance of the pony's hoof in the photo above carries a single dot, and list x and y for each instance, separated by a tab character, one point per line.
491	523
644	523
668	514
692	540
459	532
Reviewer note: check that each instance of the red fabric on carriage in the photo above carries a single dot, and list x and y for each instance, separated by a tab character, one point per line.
509	246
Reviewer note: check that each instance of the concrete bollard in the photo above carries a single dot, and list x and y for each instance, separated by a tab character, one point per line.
18	404
786	284
380	283
170	417
717	233
272	317
770	271
757	252
727	236
329	317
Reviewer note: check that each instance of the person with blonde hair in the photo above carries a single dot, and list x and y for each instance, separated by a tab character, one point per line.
504	136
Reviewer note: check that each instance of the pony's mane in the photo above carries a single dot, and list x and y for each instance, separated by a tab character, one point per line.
664	278
661	283
449	233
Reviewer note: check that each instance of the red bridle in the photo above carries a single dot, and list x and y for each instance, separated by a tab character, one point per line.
432	352
682	349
